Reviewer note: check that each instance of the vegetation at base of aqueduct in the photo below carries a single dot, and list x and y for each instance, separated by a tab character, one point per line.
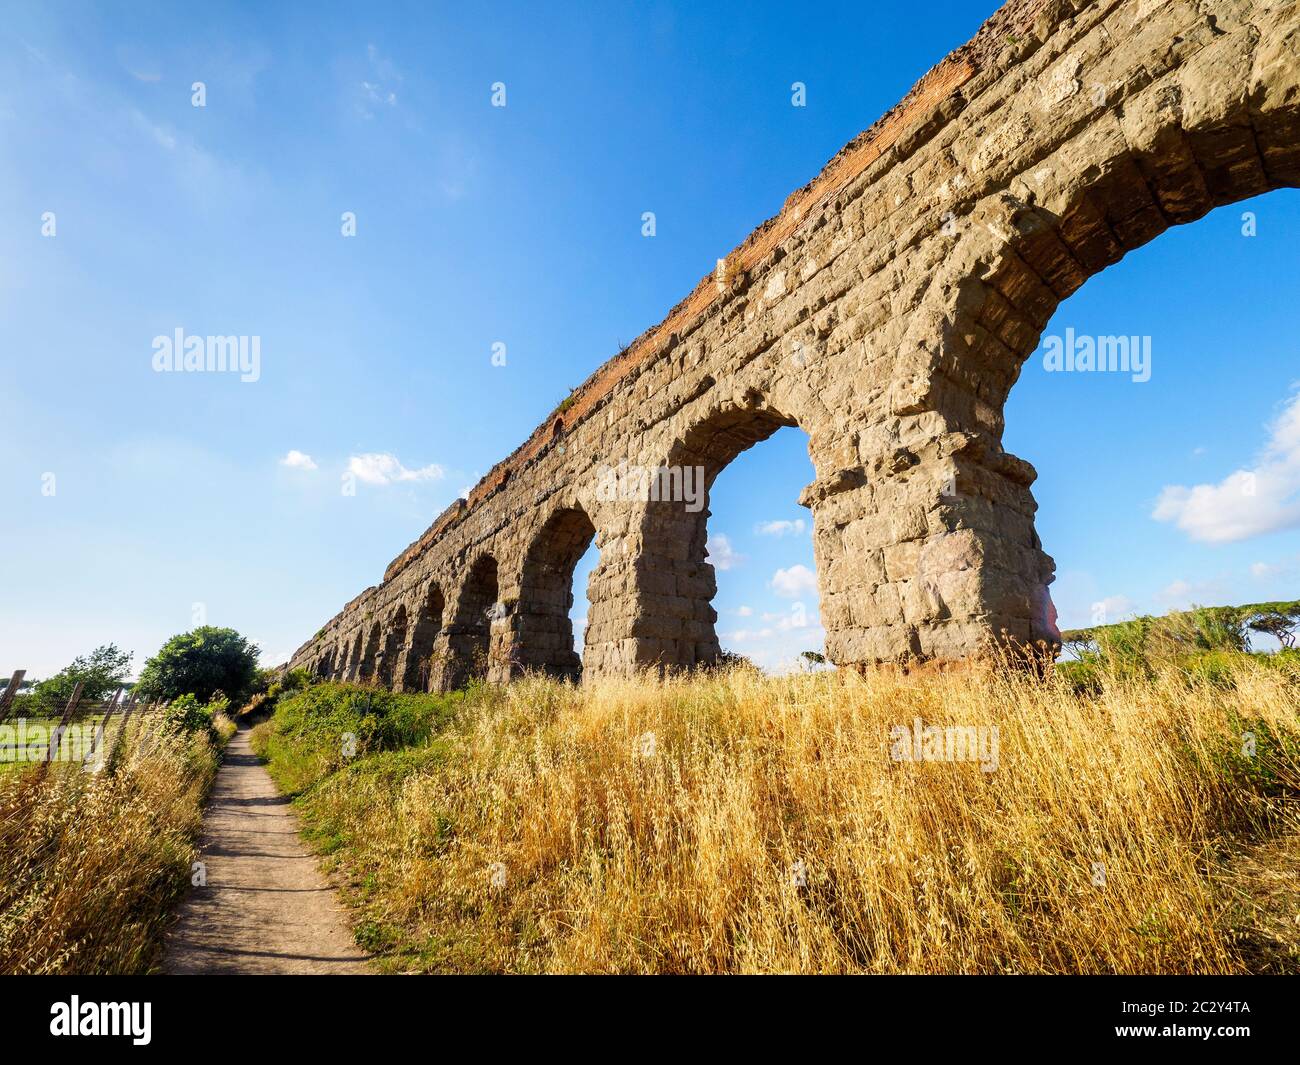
729	822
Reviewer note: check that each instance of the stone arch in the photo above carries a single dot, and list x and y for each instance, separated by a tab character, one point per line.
674	581
469	633
394	641
370	654
353	667
542	626
325	664
418	673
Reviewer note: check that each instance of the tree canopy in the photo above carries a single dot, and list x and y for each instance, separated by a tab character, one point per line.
201	662
1199	629
100	673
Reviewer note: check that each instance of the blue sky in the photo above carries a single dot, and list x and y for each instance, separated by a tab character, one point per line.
171	500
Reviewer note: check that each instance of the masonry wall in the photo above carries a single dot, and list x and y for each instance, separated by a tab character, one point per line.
887	311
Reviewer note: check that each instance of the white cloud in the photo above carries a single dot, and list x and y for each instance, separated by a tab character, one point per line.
1248	502
780	528
1262	570
720	553
795	581
298	460
744	611
386	469
798	618
1111	609
1180	594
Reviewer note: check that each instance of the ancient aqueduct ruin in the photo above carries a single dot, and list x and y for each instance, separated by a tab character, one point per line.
887	311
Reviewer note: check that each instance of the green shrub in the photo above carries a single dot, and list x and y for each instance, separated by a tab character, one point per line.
186	715
324	726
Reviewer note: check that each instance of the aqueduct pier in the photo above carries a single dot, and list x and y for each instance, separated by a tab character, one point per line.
887	311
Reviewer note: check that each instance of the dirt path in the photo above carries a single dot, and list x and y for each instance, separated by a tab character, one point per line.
266	908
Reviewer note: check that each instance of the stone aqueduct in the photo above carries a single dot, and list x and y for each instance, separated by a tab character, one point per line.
887	311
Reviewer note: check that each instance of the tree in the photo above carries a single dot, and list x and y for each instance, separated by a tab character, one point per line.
100	673
201	663
1277	619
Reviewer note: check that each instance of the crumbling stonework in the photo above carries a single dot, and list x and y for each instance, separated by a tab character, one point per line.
887	311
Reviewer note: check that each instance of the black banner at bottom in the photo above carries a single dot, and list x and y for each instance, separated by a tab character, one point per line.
215	1014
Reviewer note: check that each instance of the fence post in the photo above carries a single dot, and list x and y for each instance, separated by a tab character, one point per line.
56	738
103	724
120	738
7	699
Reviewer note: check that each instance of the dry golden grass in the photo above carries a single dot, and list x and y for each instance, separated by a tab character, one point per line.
770	831
92	863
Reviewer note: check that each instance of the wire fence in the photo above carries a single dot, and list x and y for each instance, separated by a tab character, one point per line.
83	731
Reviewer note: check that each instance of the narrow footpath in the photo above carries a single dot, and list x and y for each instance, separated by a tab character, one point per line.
266	907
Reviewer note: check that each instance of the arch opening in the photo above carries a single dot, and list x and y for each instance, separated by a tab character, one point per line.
1177	178
370	656
543	623
677	578
418	672
470	635
760	545
354	659
1198	306
393	642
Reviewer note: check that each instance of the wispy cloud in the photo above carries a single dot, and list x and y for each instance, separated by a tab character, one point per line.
378	89
781	528
1111	609
381	468
1181	594
1261	499
161	135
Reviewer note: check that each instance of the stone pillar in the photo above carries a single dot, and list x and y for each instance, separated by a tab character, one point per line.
929	552
609	648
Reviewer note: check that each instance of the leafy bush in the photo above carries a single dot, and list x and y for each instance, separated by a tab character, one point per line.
322	726
201	663
186	715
